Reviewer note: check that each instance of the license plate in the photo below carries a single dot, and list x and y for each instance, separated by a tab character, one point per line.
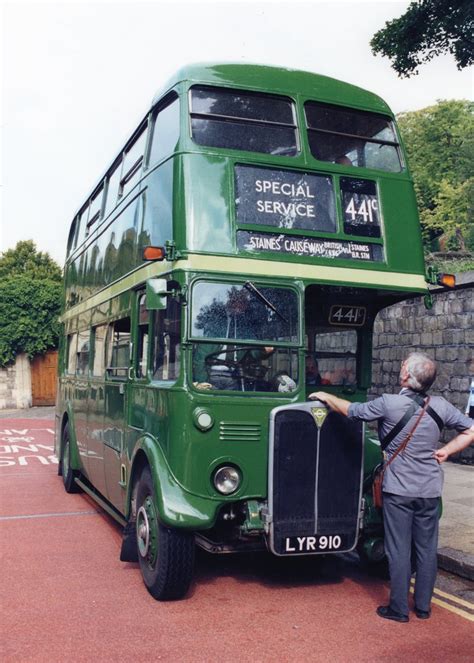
300	545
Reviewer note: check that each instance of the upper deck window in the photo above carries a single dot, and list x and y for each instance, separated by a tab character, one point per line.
132	163
113	186
165	131
240	120
352	138
95	208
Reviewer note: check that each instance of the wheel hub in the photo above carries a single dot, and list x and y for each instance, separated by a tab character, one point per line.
143	532
147	531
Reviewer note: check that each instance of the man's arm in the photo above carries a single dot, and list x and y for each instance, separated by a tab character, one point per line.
334	402
458	443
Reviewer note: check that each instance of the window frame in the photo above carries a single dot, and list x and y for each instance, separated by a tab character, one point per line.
71	346
148	329
237	341
138	164
235	119
94	350
83	337
110	369
357	356
359	137
167	101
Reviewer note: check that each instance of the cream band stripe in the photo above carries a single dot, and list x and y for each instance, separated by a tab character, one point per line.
238	266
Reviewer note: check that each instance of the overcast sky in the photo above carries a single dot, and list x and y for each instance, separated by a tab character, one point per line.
77	78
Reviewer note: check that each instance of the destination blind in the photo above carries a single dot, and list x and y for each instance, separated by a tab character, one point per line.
313	247
284	199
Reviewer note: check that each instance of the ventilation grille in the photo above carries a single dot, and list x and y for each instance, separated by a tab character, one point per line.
239	431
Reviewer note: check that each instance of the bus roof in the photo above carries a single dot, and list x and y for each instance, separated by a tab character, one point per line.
278	79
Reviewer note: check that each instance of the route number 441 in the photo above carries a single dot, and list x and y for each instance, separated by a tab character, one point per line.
347	315
367	209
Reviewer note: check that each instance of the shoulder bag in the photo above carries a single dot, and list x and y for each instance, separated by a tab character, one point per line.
380	469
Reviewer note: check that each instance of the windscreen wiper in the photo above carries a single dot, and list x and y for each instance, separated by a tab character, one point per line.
255	291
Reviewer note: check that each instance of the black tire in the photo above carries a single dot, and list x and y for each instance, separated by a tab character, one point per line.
165	555
379	568
68	474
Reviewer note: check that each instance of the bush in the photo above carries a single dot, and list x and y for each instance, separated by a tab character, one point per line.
29	312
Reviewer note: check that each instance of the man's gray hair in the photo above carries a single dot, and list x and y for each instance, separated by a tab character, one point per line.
421	370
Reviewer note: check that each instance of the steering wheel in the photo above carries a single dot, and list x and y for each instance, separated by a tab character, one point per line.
246	367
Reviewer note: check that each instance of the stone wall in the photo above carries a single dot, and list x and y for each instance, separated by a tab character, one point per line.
445	333
15	384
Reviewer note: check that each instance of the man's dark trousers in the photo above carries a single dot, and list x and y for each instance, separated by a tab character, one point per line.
408	519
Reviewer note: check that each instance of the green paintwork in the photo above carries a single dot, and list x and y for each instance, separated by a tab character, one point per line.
176	506
276	79
188	199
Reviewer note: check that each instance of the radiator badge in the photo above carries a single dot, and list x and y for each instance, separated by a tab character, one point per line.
319	415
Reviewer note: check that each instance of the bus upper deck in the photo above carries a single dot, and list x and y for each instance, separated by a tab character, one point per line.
286	167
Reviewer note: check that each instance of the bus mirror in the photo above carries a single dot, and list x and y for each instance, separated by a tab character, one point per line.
156	293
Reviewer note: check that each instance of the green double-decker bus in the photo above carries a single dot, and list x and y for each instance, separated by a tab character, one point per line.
230	261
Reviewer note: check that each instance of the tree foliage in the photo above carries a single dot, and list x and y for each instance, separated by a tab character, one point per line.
428	28
26	260
440	145
30	302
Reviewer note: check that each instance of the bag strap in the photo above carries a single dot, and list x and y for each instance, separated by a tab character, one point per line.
420	399
412	408
403	445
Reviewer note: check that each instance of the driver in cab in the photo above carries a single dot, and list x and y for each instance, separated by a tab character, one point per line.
227	367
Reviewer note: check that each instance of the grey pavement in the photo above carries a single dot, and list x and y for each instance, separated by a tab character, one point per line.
30	413
456	535
456	528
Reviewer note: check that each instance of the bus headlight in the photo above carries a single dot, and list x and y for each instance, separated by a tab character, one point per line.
227	479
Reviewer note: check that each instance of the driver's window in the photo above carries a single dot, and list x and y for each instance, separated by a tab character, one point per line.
142	338
167	341
244	368
334	357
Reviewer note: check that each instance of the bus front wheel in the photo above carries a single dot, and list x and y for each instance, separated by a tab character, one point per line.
166	555
67	472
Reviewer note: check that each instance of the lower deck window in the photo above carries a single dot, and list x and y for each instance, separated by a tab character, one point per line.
118	350
334	359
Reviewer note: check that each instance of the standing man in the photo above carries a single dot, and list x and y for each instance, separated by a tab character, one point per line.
413	483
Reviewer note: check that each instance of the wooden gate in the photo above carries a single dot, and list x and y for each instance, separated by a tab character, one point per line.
44	378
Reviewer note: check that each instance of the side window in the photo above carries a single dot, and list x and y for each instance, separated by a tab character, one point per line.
336	356
99	335
165	132
82	226
95	209
142	338
83	352
132	164
71	242
113	185
167	341
118	349
71	353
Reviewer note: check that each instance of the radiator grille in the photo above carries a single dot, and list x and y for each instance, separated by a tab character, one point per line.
239	431
315	477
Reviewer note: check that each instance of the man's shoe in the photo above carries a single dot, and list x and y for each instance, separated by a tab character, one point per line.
386	612
422	614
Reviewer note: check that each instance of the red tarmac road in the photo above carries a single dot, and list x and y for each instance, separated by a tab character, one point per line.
67	597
